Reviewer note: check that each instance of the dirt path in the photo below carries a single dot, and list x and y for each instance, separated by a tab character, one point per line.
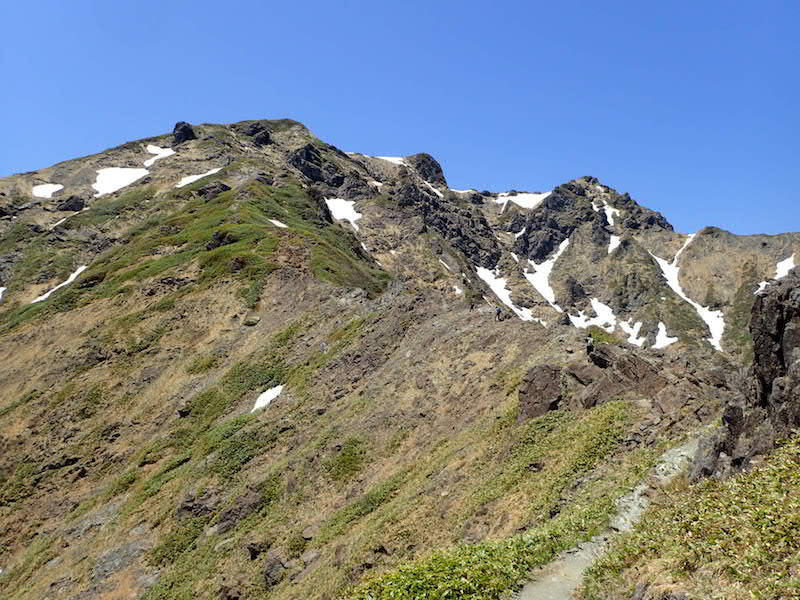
559	579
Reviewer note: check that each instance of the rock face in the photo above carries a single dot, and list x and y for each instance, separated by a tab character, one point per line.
768	408
183	132
463	226
540	391
427	167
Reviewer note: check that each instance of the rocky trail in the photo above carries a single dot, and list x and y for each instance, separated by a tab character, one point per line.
559	579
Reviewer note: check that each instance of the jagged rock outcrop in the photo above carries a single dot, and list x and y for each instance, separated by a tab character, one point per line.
463	226
768	407
183	132
427	167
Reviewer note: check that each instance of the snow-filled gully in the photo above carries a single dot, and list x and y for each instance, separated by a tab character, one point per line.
713	319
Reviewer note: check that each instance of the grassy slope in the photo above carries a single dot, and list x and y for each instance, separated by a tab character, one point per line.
732	539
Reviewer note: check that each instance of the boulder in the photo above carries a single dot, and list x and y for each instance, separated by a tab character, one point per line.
274	571
183	132
72	203
241	508
540	391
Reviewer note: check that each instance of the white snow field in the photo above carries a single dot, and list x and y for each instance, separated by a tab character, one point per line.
192	178
611	212
524	200
398	160
69	280
633	332
613	243
343	210
540	278
46	190
278	223
713	318
159	154
662	339
265	398
111	179
498	285
781	270
605	319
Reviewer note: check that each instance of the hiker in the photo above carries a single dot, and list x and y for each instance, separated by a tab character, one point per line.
497	313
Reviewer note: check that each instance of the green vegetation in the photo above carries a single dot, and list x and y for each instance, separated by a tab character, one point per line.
347	461
734	539
601	336
178	541
366	504
558	448
229	236
204	363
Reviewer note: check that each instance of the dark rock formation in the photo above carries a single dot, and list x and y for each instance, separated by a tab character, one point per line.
427	167
72	203
183	132
308	160
540	391
243	506
212	190
274	570
463	226
193	506
258	131
768	407
220	238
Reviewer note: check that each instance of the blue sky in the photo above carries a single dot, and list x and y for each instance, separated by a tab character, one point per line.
691	107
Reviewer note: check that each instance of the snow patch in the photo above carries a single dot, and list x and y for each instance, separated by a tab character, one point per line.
521	233
69	280
524	200
782	268
2	291
374	183
515	257
159	154
343	210
540	278
662	339
57	223
462	191
115	178
713	318
192	178
633	332
278	223
433	189
444	264
46	190
613	243
604	318
456	289
265	398
397	160
498	285
610	213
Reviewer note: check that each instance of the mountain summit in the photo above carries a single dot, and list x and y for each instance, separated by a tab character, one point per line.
238	362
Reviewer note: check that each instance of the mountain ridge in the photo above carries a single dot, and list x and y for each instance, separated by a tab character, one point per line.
289	372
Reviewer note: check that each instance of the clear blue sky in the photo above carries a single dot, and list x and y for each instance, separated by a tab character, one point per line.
691	107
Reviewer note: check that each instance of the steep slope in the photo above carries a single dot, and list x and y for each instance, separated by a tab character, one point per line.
272	368
736	535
